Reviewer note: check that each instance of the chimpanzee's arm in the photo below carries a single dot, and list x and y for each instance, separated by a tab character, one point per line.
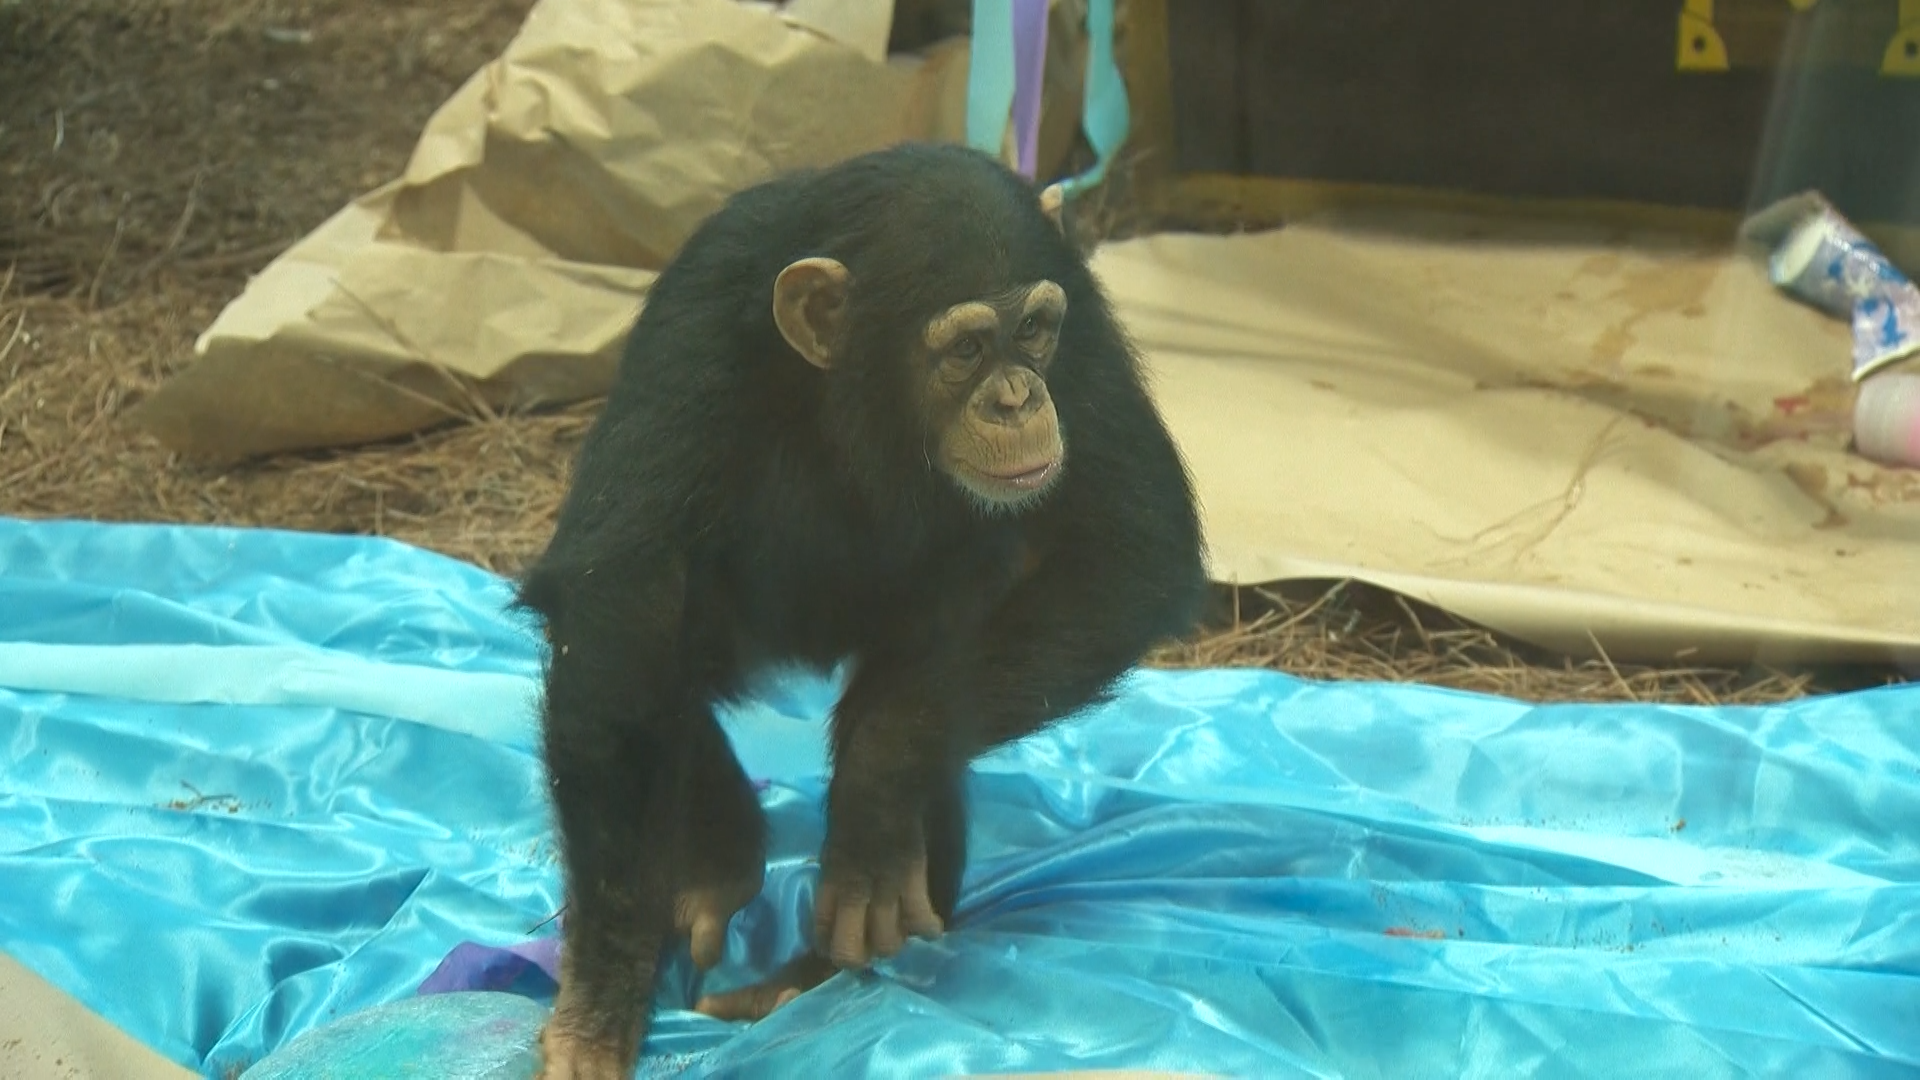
1118	575
1060	643
1122	568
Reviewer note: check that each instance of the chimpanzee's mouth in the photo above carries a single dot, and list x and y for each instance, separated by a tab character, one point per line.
1025	478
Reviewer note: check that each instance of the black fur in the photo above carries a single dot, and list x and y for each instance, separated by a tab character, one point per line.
735	507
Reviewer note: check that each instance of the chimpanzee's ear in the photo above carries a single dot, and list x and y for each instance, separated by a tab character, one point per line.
1053	202
809	305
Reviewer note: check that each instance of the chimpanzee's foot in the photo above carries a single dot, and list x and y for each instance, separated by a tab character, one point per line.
756	1002
703	914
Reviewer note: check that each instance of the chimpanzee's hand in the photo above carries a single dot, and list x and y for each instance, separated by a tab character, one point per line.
702	913
867	906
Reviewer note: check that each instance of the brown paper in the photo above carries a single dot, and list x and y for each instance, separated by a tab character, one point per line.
507	263
860	23
1553	430
45	1034
345	339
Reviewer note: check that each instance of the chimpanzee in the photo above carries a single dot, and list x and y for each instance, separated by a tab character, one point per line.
879	413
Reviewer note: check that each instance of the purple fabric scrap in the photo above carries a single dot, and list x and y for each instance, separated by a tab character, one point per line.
473	966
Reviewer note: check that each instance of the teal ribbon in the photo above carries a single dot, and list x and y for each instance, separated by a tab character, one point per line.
990	75
991	81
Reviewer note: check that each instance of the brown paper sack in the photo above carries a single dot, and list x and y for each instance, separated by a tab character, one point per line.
507	264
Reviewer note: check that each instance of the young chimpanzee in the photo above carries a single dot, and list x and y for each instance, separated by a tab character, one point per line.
879	412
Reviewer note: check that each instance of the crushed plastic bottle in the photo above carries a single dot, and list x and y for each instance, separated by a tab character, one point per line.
470	1035
1819	257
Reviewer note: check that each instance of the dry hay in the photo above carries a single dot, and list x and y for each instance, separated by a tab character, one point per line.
157	151
153	153
1349	630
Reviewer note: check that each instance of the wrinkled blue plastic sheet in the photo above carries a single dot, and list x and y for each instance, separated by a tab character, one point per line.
256	781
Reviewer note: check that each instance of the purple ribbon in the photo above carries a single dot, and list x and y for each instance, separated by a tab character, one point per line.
1030	68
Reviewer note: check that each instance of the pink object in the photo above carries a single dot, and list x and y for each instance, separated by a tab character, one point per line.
1886	418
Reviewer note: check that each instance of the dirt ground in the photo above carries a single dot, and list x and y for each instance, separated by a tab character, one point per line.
154	153
157	152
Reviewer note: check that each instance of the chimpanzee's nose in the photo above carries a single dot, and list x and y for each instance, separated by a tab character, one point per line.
1014	393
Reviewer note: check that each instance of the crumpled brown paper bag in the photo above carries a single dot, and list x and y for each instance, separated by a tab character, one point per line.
1555	430
508	262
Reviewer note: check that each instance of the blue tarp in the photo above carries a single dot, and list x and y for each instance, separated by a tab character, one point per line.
255	781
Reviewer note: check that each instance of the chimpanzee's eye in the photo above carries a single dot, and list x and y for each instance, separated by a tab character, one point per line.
1029	327
967	348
